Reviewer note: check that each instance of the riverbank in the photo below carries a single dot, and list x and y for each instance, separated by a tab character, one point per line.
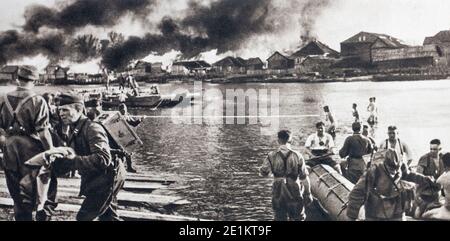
293	79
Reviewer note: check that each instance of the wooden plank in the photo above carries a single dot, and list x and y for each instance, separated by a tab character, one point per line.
125	214
129	186
137	178
165	181
125	198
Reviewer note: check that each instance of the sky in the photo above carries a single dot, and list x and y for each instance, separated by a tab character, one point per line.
408	20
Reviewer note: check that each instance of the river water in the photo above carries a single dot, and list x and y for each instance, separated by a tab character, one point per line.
219	161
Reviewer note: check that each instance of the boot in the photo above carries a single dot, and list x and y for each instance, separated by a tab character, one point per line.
131	169
41	215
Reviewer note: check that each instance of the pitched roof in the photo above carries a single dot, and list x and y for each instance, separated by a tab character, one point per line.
141	63
315	47
227	61
9	69
253	61
441	37
373	37
278	53
193	64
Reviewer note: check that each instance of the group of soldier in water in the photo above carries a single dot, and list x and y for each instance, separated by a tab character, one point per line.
384	185
66	140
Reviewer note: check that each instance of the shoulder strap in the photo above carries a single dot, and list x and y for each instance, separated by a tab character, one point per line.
270	163
19	105
285	158
387	145
400	145
76	131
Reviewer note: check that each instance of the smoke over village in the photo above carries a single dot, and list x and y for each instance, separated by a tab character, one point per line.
68	31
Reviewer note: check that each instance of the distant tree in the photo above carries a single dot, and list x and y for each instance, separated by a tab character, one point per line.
85	47
115	38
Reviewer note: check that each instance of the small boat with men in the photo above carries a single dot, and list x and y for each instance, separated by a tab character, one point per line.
151	97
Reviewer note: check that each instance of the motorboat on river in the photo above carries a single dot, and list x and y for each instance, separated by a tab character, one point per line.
111	98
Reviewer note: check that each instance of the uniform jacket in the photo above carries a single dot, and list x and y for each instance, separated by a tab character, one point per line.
377	192
33	117
287	173
93	158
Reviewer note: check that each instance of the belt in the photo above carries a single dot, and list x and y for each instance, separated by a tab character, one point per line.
355	157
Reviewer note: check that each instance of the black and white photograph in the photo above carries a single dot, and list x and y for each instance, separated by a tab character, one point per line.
224	110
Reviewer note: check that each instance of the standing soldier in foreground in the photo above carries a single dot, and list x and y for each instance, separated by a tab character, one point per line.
382	190
430	164
134	122
287	166
24	116
102	177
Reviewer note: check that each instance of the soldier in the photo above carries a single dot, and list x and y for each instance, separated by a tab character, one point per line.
332	122
431	165
355	147
287	166
373	112
393	142
382	190
102	177
355	112
320	147
134	122
24	117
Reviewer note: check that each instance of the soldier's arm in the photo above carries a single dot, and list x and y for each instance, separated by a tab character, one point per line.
265	169
100	157
421	165
357	196
343	152
42	124
304	176
415	177
408	153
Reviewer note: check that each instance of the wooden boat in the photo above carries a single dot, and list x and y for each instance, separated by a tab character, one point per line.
147	98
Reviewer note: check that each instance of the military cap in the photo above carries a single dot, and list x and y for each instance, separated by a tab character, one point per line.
69	98
27	73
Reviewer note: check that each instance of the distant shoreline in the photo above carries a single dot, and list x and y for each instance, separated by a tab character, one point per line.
364	78
244	79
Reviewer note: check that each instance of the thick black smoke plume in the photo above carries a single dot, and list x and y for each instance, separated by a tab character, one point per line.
81	13
15	45
220	24
223	25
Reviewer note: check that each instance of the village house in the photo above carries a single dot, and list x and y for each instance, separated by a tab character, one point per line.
8	73
314	57
410	57
230	65
199	67
55	74
238	65
357	50
442	42
315	48
441	39
142	68
254	64
279	61
157	68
